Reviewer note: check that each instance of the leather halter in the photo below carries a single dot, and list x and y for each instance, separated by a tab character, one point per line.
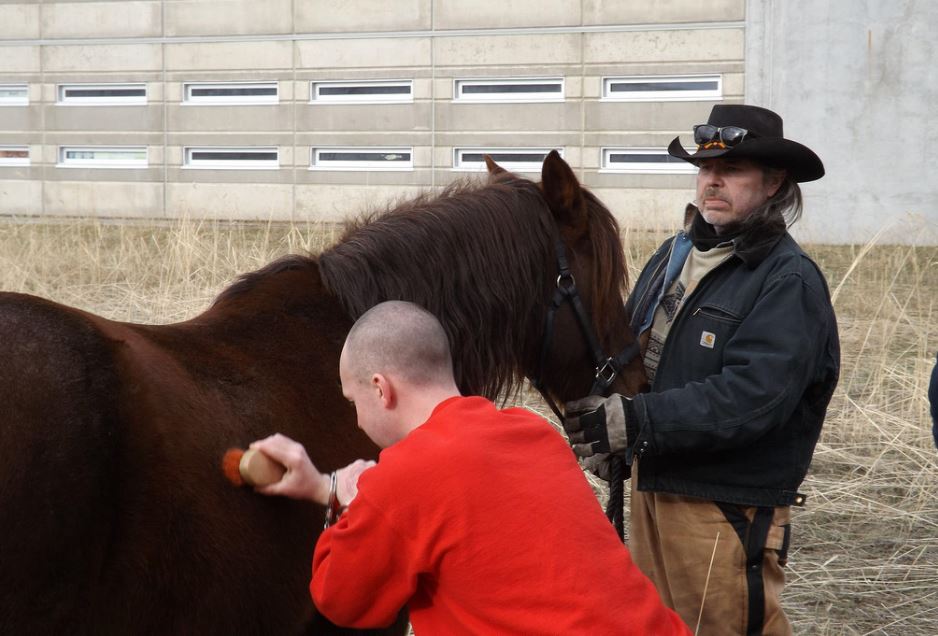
607	369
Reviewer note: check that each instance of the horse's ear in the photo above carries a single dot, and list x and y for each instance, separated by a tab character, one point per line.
493	167
563	193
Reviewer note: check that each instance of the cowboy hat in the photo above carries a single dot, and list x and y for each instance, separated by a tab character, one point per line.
763	142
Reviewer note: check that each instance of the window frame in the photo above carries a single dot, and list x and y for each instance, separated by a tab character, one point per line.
507	98
316	98
188	163
460	165
132	164
15	101
662	96
678	166
14	162
360	166
233	100
63	99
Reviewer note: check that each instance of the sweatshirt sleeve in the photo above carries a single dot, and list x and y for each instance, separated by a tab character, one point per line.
364	571
767	366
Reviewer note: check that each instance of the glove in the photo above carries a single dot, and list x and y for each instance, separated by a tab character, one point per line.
599	424
599	465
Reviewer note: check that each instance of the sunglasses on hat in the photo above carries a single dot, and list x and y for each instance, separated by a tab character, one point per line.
708	135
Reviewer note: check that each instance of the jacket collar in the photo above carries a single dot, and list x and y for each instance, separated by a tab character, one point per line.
751	245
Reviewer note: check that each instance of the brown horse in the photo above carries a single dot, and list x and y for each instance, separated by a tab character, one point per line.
114	515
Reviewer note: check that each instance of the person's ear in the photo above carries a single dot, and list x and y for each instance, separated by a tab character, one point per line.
774	182
384	390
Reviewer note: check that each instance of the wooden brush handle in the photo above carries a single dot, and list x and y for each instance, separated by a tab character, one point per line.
257	469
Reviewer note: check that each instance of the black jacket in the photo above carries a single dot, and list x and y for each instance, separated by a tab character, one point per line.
746	373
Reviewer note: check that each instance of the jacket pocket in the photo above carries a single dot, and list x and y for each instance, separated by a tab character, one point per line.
720	314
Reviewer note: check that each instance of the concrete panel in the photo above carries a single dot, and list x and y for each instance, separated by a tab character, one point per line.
19	59
101	19
541	50
245	201
18	194
229	55
661	11
229	118
228	17
318	16
678	117
97	58
326	202
19	21
104	118
508	117
364	117
499	14
839	74
664	46
20	119
510	139
384	52
336	138
281	176
734	85
104	199
221	138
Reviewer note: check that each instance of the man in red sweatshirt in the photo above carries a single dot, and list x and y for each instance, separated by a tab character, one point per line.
479	520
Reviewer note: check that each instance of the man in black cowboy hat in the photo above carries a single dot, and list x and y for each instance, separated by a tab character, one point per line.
741	349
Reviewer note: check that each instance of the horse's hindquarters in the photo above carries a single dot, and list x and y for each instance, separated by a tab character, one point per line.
57	463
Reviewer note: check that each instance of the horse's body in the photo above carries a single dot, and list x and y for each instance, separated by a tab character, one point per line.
114	515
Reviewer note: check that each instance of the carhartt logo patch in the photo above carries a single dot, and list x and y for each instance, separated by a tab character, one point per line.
707	339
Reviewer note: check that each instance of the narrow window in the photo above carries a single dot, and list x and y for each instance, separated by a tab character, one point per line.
509	90
227	158
14	155
663	88
513	159
102	157
361	158
102	94
14	95
372	92
643	161
205	93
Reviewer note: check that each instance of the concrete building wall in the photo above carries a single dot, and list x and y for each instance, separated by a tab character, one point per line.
165	43
856	81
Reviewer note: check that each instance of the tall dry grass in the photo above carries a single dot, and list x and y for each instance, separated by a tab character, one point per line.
865	549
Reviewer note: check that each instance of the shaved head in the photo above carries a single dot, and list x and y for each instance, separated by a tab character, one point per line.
401	339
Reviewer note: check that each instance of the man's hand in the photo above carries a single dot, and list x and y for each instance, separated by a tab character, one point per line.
302	480
600	465
347	480
598	425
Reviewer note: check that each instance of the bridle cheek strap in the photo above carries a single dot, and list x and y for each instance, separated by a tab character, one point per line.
607	370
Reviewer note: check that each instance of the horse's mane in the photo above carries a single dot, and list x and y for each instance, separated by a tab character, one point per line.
247	282
479	256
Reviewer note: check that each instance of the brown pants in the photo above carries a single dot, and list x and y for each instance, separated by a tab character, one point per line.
672	540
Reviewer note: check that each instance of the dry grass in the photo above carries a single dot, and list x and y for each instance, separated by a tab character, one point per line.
865	557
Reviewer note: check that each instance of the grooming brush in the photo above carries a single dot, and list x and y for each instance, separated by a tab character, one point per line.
251	467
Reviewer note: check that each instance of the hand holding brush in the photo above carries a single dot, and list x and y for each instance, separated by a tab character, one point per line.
277	465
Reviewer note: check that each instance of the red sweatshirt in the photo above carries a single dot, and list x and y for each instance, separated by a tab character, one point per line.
481	522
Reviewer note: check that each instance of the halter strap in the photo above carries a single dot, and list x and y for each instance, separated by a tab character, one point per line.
607	370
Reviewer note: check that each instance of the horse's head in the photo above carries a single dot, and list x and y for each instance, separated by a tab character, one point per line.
564	361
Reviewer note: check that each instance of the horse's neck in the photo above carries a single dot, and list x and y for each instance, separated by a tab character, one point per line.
288	299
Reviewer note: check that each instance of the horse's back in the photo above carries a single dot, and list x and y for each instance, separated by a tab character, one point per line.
58	434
